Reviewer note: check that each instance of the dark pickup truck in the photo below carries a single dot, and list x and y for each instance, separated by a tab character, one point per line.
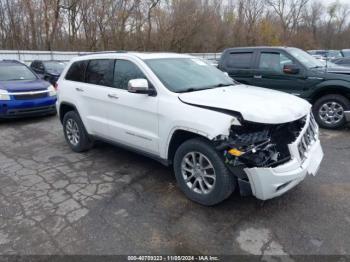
294	71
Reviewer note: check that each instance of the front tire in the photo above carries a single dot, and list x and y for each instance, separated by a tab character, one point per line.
75	133
329	111
201	173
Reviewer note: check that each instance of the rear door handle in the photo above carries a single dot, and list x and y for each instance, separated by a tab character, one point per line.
258	76
79	89
114	96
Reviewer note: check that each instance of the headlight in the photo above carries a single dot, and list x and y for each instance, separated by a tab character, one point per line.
52	91
4	95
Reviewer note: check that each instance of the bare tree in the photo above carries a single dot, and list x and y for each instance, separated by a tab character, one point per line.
289	13
171	25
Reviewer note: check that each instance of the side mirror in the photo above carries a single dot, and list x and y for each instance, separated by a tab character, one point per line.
291	69
138	86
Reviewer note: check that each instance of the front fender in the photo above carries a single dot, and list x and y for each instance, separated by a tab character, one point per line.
331	86
334	83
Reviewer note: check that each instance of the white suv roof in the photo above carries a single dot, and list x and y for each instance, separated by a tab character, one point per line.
139	55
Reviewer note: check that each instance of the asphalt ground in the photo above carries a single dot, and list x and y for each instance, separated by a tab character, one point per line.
111	201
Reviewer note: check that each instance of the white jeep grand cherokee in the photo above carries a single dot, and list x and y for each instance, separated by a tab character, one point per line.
217	134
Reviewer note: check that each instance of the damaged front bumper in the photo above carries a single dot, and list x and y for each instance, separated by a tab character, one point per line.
306	156
268	183
275	177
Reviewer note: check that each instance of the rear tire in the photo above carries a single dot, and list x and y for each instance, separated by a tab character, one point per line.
197	160
75	133
329	111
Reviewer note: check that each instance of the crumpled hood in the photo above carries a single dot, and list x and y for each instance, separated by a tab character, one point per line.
255	104
23	86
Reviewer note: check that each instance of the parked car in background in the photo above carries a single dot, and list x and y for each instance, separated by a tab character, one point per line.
345	61
296	72
326	54
345	52
22	93
186	113
48	70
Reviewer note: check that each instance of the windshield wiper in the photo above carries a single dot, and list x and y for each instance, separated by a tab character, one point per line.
191	89
223	85
315	67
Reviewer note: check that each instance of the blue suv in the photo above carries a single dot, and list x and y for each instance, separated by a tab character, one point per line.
22	93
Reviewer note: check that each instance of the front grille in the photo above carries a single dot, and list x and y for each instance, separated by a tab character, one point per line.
308	138
30	96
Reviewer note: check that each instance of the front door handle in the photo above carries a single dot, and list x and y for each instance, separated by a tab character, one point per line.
114	96
79	89
257	76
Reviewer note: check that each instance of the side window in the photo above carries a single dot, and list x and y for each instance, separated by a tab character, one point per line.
76	71
100	72
273	61
123	72
239	60
40	66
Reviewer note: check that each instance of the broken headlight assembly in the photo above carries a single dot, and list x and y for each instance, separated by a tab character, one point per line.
259	145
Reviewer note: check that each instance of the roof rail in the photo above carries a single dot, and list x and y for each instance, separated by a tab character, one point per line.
102	52
12	61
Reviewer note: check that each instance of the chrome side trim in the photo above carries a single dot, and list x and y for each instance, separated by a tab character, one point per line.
28	93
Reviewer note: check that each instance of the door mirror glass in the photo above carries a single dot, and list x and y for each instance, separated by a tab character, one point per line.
291	69
139	86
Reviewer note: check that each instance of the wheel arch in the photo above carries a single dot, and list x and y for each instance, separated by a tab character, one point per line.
65	108
178	137
331	90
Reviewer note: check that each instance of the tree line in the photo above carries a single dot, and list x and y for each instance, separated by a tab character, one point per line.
171	25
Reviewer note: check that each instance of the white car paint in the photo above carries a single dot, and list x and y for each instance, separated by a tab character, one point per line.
256	104
147	123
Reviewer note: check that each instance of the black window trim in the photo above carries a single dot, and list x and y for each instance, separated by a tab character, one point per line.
87	61
78	61
283	52
150	84
123	59
251	62
87	65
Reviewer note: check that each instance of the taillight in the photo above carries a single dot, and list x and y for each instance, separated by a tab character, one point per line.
55	86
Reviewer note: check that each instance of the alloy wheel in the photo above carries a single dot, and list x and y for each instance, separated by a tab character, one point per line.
72	131
198	172
331	113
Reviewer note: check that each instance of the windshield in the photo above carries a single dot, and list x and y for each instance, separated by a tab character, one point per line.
346	53
335	54
329	64
54	66
188	74
16	72
306	59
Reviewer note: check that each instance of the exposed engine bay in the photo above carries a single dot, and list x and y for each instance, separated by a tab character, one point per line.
259	145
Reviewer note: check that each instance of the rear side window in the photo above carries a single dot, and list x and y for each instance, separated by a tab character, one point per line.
239	60
76	71
100	72
125	71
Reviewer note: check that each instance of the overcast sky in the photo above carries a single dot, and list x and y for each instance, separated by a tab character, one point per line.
326	2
